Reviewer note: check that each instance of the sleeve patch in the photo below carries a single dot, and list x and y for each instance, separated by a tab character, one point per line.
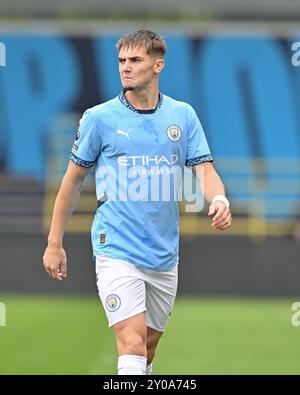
81	162
199	160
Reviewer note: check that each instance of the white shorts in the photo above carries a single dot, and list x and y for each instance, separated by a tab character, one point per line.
126	291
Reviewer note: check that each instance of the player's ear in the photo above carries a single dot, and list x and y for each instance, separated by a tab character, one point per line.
159	65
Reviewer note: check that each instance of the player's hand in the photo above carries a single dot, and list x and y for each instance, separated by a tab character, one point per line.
220	214
55	262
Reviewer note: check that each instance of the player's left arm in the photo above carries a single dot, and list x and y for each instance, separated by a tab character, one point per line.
214	192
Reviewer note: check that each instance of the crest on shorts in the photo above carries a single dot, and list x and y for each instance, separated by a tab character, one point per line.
174	132
112	302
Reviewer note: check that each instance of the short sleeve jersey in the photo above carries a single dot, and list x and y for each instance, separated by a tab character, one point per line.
139	157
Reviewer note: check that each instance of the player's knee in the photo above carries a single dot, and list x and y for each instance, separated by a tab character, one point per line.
134	345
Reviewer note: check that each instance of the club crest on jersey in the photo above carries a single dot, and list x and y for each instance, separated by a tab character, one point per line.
174	132
112	302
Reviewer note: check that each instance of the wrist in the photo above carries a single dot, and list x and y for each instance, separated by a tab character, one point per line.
54	243
221	198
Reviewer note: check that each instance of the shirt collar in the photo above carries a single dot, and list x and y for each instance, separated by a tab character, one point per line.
126	103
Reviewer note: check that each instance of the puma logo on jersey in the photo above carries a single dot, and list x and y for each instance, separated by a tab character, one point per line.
119	131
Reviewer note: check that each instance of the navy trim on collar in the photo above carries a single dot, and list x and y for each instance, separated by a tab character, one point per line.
126	103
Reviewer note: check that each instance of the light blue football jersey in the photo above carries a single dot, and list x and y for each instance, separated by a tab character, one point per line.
139	157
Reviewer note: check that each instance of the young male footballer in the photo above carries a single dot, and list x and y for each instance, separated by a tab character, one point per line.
140	142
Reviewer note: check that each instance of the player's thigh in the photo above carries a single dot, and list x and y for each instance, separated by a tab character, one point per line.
161	289
131	334
121	289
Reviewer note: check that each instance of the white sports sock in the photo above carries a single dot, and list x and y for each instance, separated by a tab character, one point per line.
149	369
132	364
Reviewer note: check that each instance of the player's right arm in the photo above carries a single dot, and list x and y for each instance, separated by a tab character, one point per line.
54	259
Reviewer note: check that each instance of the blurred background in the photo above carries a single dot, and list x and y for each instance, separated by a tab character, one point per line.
237	64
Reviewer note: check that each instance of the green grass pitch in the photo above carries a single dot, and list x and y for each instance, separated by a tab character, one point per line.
69	335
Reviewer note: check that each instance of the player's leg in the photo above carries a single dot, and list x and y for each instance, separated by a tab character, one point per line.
161	288
122	292
153	337
131	337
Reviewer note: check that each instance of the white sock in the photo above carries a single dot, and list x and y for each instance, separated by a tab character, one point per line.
149	369
132	364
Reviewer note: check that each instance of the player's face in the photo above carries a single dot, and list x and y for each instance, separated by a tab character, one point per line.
137	68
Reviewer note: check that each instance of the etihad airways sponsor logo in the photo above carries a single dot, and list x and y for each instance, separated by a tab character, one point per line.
145	160
152	171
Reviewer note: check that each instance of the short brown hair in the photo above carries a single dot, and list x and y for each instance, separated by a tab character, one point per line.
153	43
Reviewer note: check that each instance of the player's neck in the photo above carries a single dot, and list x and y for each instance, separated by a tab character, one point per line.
143	100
